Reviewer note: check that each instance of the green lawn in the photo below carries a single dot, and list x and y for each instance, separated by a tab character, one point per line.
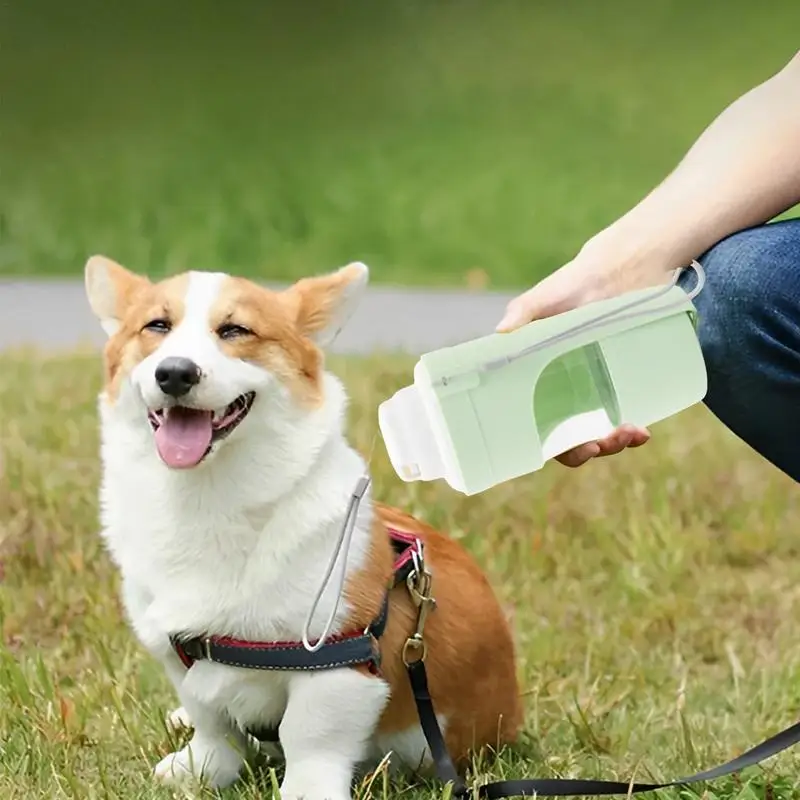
654	597
426	138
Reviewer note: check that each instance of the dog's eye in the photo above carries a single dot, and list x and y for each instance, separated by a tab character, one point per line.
158	326
231	331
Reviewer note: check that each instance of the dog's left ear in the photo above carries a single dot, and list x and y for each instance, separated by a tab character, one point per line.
109	288
325	304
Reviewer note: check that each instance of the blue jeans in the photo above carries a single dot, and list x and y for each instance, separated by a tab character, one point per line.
749	330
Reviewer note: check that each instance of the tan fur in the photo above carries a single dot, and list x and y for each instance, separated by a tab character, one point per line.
276	343
470	660
281	323
315	299
137	301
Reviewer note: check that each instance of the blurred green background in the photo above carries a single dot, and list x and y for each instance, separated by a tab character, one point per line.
429	139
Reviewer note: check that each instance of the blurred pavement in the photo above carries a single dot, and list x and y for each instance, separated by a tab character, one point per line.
53	315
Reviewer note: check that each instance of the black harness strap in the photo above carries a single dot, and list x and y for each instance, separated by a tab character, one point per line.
569	787
342	651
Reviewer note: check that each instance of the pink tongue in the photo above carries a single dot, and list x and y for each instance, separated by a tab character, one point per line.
183	437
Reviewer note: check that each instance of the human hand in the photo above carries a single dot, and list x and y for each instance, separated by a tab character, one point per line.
618	440
588	277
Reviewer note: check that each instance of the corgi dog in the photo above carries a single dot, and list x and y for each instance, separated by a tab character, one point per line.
226	477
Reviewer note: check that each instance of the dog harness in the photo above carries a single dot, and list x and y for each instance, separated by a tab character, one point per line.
344	650
362	647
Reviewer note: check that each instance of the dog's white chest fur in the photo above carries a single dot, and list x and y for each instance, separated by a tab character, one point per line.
213	550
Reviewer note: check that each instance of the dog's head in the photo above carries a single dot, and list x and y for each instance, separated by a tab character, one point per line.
192	355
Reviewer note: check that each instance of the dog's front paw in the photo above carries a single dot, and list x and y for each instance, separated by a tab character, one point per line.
315	793
174	768
179	720
218	767
314	787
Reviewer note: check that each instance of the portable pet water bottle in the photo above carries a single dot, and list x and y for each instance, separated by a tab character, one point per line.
492	409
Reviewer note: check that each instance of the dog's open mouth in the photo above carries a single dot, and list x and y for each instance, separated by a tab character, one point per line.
184	436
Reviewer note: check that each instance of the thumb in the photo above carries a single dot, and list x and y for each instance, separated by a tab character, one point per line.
542	300
571	285
517	314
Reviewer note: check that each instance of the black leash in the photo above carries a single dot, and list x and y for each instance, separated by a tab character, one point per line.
568	787
445	769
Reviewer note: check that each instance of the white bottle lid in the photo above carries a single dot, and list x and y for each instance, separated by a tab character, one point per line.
409	438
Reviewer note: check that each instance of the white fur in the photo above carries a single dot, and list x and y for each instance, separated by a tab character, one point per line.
239	544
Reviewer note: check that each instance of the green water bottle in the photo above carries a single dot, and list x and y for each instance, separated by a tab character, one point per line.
492	409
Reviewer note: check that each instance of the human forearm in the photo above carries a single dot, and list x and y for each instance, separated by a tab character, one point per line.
743	170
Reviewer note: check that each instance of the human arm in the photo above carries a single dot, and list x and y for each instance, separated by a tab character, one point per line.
743	170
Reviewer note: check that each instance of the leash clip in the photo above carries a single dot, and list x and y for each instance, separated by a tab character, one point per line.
418	583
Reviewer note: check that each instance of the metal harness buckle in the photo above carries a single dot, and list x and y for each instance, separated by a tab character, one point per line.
418	583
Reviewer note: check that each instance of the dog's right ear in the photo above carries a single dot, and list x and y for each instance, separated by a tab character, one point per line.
325	303
109	287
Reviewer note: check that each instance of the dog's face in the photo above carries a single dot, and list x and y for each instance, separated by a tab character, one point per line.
191	356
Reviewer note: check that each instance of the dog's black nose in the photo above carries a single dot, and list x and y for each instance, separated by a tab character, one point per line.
175	376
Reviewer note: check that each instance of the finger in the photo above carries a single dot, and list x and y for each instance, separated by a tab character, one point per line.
579	455
622	437
635	436
615	443
641	436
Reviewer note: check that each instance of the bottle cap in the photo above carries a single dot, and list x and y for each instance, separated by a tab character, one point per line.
409	438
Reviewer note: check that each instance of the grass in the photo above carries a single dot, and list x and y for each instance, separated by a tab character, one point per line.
429	139
654	597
